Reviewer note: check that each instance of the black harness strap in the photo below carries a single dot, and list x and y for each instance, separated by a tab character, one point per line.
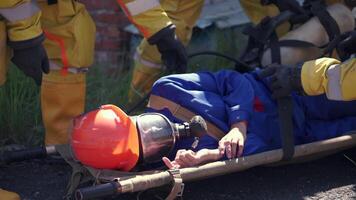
318	9
51	2
285	110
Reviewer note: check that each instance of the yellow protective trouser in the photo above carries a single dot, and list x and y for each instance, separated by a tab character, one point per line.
7	195
3	53
70	31
148	64
62	98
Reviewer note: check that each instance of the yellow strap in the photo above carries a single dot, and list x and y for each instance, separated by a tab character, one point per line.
159	103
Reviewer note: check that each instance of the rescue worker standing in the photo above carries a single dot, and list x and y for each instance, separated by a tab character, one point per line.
68	35
63	30
167	28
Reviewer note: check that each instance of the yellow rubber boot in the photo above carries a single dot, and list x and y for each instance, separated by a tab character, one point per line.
7	195
62	98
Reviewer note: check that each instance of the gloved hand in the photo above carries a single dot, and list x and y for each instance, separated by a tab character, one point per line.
31	58
347	46
172	51
282	79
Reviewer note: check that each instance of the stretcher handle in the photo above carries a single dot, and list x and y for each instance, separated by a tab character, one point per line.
27	154
18	156
98	191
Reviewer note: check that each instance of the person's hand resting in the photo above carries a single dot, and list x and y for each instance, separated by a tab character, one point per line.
233	142
188	158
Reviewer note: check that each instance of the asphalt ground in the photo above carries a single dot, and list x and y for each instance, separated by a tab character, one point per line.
332	177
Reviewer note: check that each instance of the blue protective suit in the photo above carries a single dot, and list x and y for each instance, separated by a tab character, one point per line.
227	97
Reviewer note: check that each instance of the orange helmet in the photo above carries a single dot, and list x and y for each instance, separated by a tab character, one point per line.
106	138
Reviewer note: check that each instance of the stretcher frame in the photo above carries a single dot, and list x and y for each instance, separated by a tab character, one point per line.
140	182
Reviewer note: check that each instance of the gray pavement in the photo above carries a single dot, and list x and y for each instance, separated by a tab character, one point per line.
332	177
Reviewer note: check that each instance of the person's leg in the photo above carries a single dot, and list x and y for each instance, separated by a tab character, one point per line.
320	108
325	129
62	98
69	30
148	65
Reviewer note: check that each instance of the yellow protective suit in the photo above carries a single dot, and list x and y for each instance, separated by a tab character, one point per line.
70	39
324	75
150	16
7	195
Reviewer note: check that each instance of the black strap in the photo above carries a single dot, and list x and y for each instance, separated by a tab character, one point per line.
318	9
261	36
285	110
275	49
51	2
295	43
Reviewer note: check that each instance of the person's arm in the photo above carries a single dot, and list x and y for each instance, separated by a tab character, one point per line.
25	37
331	77
147	15
232	144
188	158
22	20
154	24
321	76
238	95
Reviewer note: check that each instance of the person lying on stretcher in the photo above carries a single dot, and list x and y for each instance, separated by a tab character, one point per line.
241	106
241	116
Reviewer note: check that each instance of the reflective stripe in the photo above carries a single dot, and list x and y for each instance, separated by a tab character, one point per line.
73	70
20	12
139	6
334	87
60	41
147	63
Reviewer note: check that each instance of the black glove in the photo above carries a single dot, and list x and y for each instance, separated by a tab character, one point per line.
31	57
347	46
282	79
173	52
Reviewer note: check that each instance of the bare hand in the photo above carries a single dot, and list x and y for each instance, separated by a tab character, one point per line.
233	142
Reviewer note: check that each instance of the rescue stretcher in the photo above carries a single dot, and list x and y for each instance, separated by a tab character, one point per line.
113	182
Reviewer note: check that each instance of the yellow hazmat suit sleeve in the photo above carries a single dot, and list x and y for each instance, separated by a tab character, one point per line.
330	76
147	15
6	195
22	19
